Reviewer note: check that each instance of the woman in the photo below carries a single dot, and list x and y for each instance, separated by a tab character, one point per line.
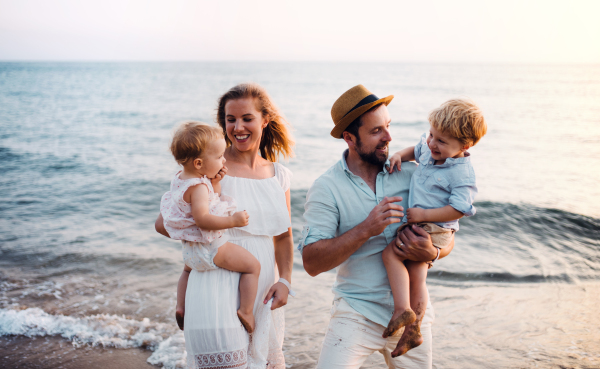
256	135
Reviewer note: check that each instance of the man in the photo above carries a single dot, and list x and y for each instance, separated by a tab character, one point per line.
351	214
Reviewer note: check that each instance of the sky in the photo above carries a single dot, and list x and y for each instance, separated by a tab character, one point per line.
524	31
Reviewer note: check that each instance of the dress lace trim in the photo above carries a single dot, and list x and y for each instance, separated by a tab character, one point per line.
221	360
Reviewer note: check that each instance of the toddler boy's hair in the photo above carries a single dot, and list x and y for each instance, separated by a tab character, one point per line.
191	139
461	118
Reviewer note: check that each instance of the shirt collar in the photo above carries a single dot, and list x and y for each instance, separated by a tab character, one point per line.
345	165
453	161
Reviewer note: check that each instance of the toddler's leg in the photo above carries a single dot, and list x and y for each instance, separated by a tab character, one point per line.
181	289
412	337
237	259
399	282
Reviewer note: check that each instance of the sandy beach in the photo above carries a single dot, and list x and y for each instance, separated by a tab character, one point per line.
20	352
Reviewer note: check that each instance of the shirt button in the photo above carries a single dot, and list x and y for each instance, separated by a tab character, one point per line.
439	179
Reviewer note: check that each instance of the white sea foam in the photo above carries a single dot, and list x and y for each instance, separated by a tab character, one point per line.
170	353
100	330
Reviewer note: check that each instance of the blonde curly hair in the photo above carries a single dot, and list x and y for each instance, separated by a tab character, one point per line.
191	139
461	118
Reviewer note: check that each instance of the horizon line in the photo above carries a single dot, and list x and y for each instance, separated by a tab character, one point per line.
299	61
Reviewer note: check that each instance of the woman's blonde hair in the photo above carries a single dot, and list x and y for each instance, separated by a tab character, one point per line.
276	139
191	139
461	118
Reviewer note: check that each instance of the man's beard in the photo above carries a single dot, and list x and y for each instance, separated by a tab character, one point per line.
371	157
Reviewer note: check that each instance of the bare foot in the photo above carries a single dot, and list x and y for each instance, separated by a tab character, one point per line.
179	313
247	321
410	339
399	320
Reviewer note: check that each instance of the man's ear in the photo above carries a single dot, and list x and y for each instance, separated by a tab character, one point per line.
349	138
197	163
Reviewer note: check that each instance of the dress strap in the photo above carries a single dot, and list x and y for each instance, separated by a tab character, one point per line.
284	176
179	186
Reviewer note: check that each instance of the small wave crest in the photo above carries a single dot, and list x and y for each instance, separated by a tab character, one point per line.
100	330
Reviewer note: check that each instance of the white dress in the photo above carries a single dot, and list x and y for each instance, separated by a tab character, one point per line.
214	336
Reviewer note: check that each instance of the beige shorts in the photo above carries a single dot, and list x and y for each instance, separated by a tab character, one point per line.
351	338
440	237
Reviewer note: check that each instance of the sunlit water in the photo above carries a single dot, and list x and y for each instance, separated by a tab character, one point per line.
84	161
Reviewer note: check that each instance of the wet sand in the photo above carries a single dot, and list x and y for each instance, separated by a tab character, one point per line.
20	352
523	325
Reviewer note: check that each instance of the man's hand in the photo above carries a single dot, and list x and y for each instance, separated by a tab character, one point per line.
416	215
413	243
382	215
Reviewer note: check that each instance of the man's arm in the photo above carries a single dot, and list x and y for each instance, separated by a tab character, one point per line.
324	255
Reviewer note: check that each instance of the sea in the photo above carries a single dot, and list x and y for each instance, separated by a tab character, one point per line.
84	161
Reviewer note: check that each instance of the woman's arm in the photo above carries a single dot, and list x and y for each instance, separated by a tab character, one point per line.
284	257
159	225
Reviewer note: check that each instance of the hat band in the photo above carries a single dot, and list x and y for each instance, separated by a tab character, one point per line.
367	100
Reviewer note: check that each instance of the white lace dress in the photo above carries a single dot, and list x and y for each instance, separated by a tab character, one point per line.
214	336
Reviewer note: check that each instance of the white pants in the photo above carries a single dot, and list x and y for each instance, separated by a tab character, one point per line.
351	338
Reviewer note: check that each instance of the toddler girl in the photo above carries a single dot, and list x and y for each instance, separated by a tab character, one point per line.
442	190
194	213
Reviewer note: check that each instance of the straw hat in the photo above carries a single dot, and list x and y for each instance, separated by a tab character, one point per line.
351	105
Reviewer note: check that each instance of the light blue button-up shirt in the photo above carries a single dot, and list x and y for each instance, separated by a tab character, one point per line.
337	202
435	186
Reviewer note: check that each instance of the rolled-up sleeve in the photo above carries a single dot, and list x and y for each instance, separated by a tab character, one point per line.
462	197
321	215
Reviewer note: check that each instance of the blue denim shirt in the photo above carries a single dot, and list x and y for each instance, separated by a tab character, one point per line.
337	202
435	186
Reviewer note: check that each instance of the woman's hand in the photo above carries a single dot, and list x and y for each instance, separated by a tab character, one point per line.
279	292
413	243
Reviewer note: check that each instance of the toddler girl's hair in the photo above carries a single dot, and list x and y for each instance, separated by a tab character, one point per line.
191	139
461	118
276	138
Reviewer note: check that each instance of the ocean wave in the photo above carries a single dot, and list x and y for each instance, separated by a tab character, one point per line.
100	330
513	243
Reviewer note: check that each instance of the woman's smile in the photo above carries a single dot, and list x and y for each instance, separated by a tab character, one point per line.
244	123
241	138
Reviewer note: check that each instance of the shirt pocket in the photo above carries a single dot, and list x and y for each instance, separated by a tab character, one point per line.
437	183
